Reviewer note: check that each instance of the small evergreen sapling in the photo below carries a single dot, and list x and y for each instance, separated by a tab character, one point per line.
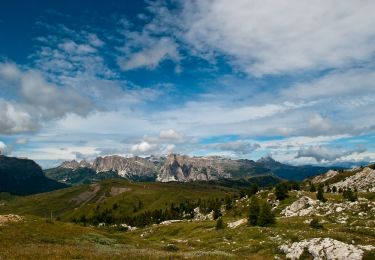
219	223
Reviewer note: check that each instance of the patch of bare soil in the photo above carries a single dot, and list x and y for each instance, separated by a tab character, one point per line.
86	196
117	190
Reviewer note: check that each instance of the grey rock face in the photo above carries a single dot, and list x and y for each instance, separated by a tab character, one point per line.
172	168
183	168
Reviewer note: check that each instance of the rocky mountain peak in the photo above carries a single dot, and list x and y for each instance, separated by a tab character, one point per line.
74	164
267	160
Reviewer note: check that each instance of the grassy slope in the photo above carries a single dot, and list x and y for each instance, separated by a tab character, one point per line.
34	238
152	195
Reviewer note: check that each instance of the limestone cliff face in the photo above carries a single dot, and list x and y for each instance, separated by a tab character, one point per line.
125	167
74	164
184	168
172	168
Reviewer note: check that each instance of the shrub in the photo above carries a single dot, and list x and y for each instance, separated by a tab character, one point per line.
315	223
349	195
219	224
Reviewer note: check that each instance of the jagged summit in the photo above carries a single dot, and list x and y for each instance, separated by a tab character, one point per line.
183	168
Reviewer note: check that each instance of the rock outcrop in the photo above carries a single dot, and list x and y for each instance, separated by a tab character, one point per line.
10	218
304	206
337	212
237	223
325	248
325	177
363	180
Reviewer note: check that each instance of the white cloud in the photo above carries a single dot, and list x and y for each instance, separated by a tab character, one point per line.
3	149
151	55
352	82
170	134
143	147
240	148
34	100
322	153
274	37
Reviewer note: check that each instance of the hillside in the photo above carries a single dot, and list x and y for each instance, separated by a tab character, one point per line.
23	176
358	179
343	235
119	197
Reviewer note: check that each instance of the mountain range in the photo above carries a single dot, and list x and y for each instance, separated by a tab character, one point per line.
175	167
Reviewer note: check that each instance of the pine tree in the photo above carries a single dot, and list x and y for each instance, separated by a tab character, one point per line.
228	202
253	189
219	223
266	216
281	191
253	211
319	194
312	187
349	195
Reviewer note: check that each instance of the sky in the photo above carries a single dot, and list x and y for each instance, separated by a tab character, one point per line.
240	79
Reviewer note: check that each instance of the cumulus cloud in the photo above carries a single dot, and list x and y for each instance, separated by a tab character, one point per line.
275	37
322	153
34	100
143	147
3	149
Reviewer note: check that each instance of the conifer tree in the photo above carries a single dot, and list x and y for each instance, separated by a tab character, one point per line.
312	187
281	191
253	189
266	216
253	211
219	223
320	195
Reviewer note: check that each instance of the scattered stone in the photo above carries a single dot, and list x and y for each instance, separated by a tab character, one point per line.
10	218
237	223
325	248
198	216
363	181
168	222
129	228
304	206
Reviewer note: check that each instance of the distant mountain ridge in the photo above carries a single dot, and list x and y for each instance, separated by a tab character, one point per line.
290	172
23	176
179	168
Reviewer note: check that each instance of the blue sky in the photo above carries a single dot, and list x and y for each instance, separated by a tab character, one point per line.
244	79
